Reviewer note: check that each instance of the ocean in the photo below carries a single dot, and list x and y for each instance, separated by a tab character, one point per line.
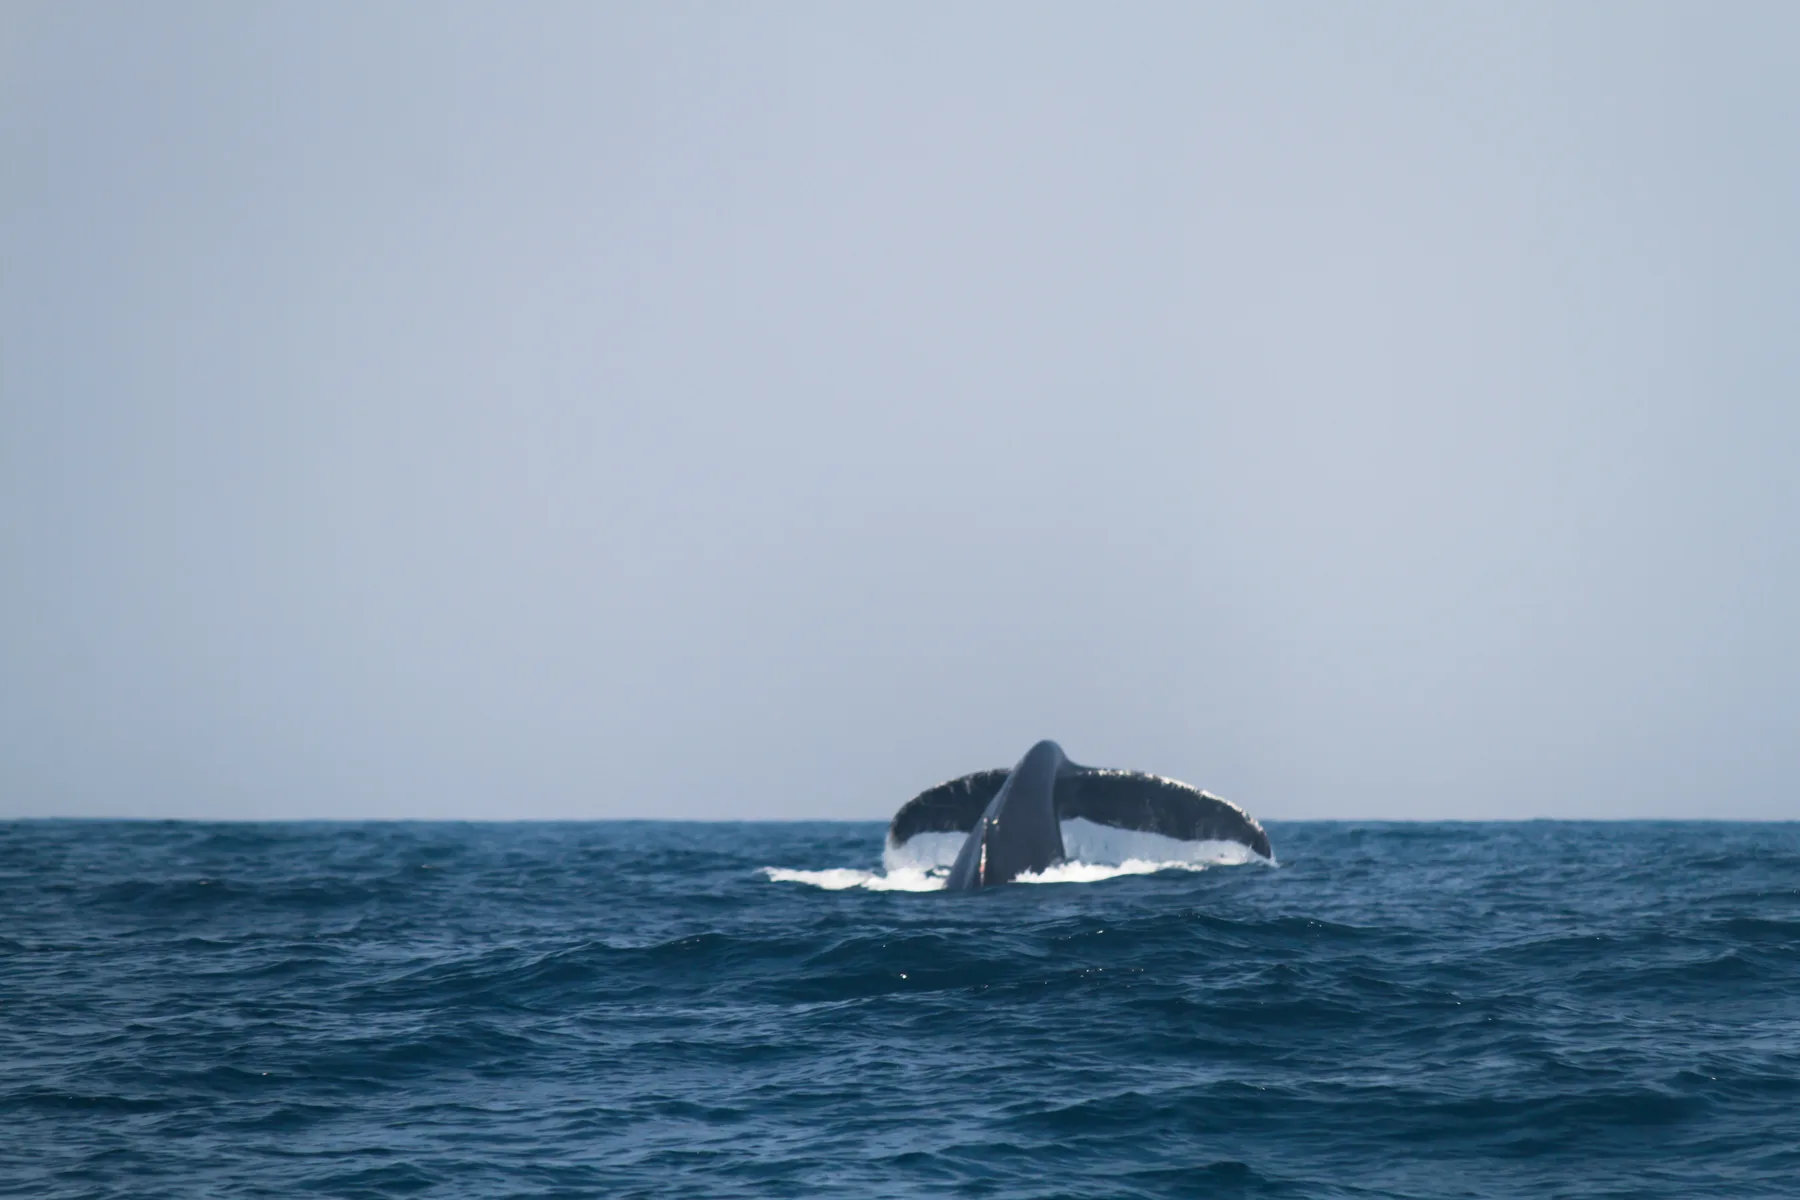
1540	1009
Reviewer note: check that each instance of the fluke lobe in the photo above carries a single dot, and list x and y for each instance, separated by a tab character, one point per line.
1013	818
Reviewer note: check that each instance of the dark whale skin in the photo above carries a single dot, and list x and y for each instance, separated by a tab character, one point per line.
1012	820
1019	830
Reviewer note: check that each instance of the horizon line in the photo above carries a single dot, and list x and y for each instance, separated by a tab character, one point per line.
144	820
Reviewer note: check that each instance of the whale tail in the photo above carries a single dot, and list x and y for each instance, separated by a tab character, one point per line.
1121	799
950	807
1153	804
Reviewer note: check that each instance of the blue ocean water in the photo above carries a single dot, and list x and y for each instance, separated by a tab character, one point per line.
626	1009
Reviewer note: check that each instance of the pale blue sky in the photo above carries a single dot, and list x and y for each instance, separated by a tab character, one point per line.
769	410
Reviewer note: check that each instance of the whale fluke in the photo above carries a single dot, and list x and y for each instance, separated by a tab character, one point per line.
951	807
1153	804
1012	817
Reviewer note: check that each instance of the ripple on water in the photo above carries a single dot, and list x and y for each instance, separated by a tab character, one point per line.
638	1009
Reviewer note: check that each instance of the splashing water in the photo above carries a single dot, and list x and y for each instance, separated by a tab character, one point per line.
1095	853
837	879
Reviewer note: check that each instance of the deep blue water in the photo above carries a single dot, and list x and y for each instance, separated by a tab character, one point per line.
1431	1010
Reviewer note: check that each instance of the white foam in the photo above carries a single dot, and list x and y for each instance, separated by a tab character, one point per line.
924	852
838	879
906	879
1095	852
1076	871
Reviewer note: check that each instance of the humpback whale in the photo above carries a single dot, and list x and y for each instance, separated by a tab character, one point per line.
1013	818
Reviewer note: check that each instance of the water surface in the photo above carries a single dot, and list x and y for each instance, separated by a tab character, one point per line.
639	1009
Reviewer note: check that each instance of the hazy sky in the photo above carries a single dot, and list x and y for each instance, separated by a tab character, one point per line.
770	410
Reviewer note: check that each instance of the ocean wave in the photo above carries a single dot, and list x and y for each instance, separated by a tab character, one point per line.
630	1010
